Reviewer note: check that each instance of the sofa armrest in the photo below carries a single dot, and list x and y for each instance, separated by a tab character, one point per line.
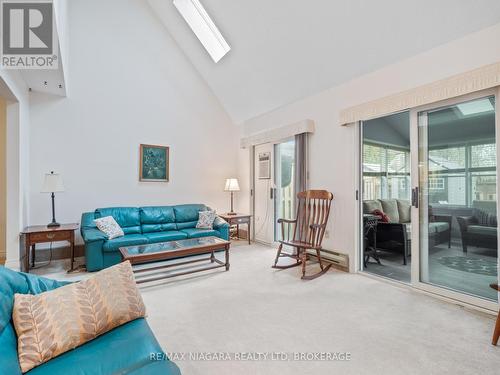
464	222
220	223
93	234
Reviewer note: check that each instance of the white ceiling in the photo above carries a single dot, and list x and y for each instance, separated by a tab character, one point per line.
284	50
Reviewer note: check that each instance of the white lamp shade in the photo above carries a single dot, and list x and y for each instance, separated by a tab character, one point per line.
232	185
52	183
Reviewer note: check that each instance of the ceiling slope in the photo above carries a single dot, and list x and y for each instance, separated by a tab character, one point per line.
285	50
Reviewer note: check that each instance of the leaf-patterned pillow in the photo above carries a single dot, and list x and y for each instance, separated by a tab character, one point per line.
51	323
109	226
206	219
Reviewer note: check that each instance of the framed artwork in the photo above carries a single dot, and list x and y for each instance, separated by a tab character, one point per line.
154	163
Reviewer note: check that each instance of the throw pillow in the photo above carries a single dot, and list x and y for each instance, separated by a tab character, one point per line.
51	323
206	219
109	226
383	217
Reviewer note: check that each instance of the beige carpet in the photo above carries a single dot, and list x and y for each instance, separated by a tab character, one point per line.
255	309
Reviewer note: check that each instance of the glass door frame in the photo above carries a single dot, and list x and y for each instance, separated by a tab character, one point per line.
415	212
450	295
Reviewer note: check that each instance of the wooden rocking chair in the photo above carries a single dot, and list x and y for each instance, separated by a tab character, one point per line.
308	230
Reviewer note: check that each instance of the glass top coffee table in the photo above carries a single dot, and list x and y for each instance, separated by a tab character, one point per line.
164	251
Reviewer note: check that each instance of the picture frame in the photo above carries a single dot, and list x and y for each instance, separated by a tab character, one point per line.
154	163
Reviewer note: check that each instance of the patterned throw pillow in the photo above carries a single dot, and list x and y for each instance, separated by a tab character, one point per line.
51	323
109	226
206	219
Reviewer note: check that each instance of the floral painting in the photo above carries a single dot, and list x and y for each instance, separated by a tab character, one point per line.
154	163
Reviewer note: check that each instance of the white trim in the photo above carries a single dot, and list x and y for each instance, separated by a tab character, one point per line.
461	84
278	134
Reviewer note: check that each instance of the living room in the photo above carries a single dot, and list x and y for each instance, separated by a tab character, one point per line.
277	113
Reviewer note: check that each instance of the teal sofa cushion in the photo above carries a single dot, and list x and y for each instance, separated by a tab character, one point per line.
171	235
9	361
157	219
128	218
186	215
196	233
127	240
12	282
126	349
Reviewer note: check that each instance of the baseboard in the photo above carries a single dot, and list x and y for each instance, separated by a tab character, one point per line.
338	260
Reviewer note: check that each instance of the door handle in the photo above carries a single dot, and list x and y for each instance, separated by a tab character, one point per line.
271	193
414	197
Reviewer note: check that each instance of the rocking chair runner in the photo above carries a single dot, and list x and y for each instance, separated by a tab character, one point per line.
308	230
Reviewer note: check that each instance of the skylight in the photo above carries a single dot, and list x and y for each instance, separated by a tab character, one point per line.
475	107
202	25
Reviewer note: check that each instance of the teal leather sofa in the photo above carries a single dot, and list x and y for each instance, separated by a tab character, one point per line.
143	225
126	349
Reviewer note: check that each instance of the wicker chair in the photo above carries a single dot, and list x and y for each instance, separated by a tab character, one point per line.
307	230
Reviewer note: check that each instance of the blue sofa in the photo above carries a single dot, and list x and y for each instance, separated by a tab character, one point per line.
124	350
143	225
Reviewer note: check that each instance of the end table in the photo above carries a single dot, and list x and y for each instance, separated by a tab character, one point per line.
238	219
43	234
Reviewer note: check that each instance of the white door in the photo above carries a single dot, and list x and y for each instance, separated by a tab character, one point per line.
264	191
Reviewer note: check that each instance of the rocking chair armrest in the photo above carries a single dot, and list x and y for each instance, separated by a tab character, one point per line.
286	221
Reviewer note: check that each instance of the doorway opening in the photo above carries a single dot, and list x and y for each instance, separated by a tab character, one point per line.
274	187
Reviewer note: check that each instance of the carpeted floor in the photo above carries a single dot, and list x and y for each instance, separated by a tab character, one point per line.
255	309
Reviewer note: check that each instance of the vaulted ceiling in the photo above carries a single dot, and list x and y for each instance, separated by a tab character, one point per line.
285	50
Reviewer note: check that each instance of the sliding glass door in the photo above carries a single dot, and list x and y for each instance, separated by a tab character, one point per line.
428	198
458	231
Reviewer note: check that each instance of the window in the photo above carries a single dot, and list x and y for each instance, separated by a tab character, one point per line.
436	183
386	172
460	174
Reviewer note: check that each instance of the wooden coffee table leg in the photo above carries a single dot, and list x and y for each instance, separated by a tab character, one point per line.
212	256
227	258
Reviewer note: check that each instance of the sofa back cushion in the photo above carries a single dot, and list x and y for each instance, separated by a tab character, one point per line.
157	219
404	210
390	208
128	218
186	215
371	205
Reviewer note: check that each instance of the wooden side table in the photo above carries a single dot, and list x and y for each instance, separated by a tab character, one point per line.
237	220
43	234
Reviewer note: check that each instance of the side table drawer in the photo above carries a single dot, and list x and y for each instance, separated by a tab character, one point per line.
50	236
241	220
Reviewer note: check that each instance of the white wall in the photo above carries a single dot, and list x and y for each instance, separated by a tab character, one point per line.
14	89
333	148
130	84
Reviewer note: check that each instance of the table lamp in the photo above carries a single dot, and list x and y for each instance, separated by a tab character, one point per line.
232	186
53	184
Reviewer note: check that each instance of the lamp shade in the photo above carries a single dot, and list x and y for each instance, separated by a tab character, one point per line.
232	185
52	183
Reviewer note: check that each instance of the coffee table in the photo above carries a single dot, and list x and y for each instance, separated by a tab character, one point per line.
164	251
